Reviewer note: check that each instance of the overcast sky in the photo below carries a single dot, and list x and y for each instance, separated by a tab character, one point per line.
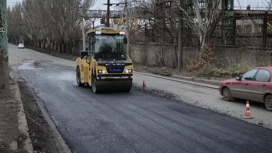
99	3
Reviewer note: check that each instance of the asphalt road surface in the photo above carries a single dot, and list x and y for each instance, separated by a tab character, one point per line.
131	122
135	121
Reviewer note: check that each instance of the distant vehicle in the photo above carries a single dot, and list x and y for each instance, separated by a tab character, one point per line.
21	46
255	85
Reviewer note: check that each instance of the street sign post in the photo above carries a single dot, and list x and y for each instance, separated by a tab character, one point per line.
4	69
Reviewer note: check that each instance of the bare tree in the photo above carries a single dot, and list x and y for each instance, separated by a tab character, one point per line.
205	17
47	23
159	25
15	22
159	18
162	17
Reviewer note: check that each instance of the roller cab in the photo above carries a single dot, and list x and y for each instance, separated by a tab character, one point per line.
106	66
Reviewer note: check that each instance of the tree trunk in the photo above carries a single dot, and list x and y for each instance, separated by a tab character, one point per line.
55	46
42	44
202	46
180	46
59	47
51	46
69	49
62	48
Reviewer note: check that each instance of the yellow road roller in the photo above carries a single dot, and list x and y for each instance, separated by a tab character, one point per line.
106	65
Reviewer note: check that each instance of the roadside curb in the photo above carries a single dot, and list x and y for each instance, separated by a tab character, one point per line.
188	80
60	142
212	82
22	122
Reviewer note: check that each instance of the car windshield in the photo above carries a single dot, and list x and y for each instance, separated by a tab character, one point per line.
109	47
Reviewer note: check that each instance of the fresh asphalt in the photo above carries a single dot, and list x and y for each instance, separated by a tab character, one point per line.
136	121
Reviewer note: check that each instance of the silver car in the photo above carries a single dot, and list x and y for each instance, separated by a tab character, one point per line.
21	46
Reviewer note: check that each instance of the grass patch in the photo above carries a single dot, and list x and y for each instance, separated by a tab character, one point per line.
213	71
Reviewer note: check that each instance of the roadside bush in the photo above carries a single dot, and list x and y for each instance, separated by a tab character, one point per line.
231	71
205	59
194	64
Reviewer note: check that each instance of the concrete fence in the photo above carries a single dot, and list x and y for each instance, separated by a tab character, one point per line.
166	55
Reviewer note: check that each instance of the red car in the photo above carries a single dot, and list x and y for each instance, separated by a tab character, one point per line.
254	85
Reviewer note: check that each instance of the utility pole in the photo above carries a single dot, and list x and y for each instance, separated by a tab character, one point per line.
126	24
83	30
4	69
127	29
108	13
180	41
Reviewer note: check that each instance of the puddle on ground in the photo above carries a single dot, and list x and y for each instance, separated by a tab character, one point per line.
29	65
64	76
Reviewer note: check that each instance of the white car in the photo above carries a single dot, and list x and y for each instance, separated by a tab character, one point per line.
21	46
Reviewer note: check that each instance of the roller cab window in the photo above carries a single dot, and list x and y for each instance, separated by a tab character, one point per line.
109	47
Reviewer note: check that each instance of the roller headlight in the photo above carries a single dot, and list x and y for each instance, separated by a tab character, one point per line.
129	71
101	71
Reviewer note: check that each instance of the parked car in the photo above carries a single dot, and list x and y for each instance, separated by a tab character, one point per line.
21	46
255	85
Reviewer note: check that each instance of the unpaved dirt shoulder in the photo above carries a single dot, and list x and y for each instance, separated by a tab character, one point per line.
40	132
11	140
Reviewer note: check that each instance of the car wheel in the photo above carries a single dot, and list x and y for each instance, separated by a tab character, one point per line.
78	77
227	94
268	102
